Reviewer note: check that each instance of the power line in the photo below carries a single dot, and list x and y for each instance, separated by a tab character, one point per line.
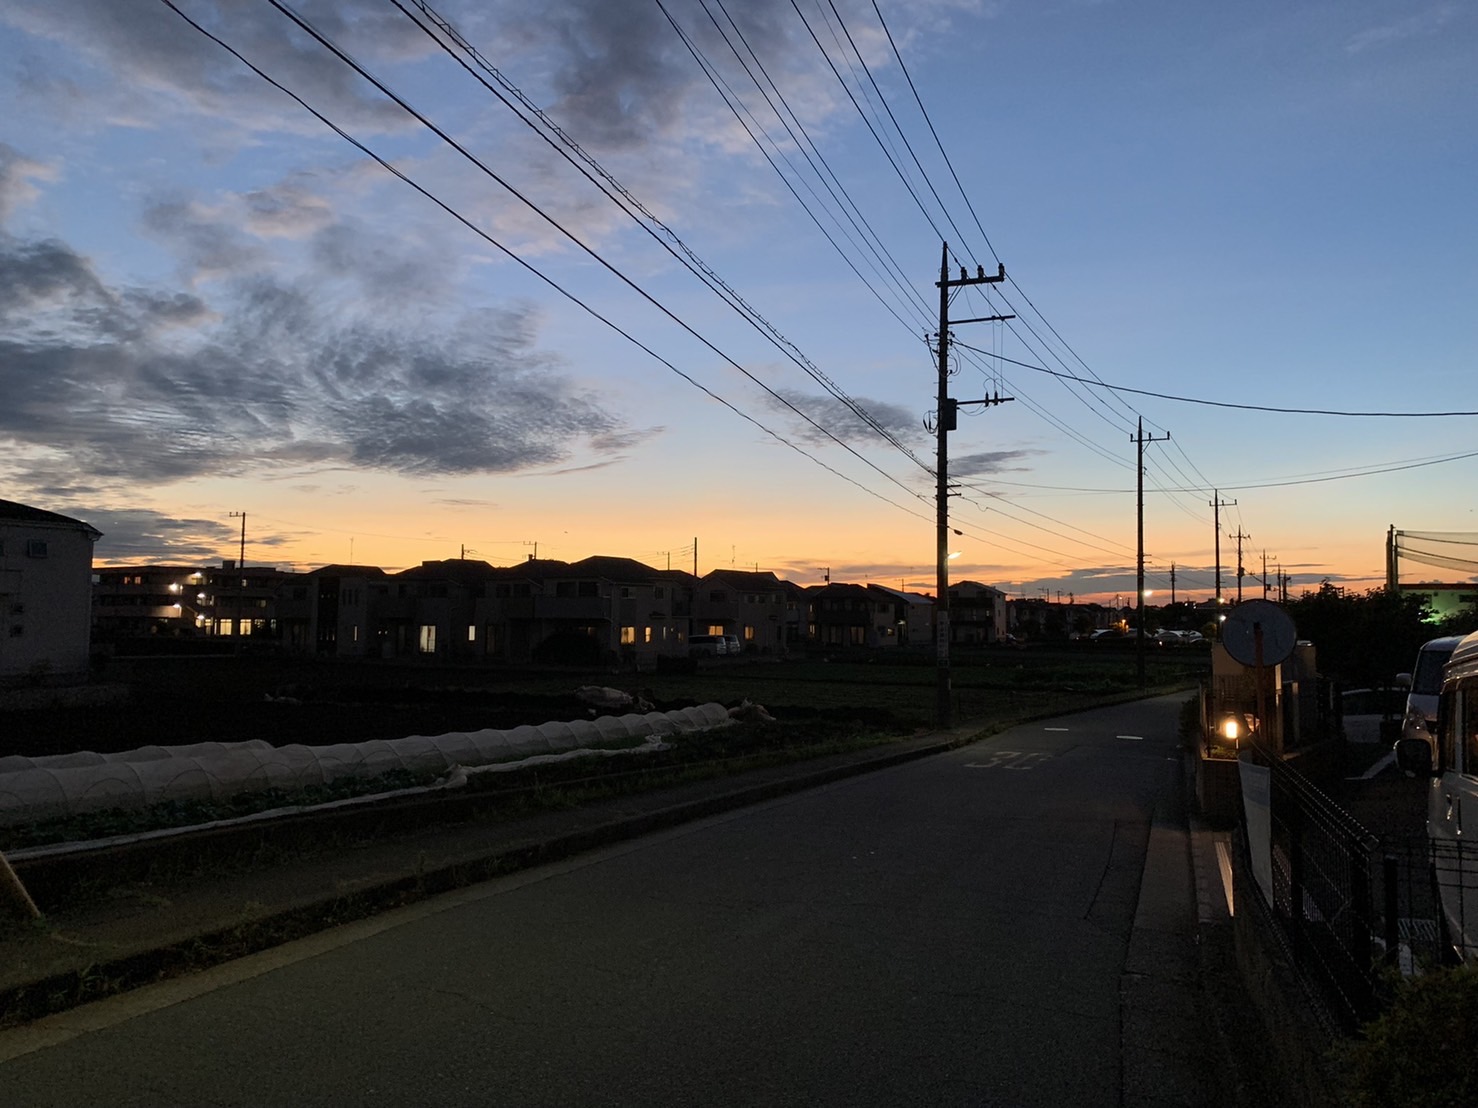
798	133
650	223
334	49
385	164
1218	403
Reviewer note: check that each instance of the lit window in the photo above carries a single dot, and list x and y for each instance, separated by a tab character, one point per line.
472	632
428	638
646	634
628	636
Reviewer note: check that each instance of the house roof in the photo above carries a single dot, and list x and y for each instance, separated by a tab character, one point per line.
841	588
921	599
744	580
12	512
454	569
610	568
342	570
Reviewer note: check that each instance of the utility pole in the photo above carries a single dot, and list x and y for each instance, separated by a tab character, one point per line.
1264	574
1217	504
1139	438
1241	571
1172	584
948	411
241	577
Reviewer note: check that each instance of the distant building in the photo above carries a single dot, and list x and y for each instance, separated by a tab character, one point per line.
151	601
852	615
751	605
977	614
45	594
913	615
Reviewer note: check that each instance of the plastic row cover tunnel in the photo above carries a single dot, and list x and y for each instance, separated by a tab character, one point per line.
68	784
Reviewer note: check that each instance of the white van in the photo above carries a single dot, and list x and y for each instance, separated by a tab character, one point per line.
1423	684
702	646
1452	798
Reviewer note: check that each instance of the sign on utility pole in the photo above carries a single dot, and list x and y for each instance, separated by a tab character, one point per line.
947	415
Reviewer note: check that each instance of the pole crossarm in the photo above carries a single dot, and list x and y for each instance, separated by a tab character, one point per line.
988	401
983	319
980	278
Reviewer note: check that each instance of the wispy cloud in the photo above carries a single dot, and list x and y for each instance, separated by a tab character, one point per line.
157	386
1419	25
18	175
992	461
829	414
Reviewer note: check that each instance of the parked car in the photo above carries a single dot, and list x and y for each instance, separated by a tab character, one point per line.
734	646
708	646
1423	685
1368	714
1451	766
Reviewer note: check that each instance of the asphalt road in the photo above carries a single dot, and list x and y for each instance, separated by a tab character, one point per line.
949	931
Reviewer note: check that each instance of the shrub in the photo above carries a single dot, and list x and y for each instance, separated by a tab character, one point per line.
1424	1049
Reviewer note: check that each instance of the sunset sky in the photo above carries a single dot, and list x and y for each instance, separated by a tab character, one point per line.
1232	222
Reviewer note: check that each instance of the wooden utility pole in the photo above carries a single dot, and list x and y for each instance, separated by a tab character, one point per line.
1241	570
1139	438
1217	504
948	410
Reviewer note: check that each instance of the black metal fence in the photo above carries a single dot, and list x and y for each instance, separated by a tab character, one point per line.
1351	910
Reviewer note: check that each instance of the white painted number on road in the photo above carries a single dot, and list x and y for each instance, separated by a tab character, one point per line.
1009	759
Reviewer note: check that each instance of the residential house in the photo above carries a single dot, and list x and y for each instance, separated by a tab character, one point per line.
432	611
244	600
749	605
851	615
328	611
913	615
977	614
45	594
605	609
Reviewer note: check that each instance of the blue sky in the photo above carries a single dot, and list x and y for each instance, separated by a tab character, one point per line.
215	304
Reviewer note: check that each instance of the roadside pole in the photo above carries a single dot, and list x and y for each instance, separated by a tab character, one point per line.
947	417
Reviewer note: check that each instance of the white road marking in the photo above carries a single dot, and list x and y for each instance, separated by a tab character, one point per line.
1131	738
1010	759
1054	729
